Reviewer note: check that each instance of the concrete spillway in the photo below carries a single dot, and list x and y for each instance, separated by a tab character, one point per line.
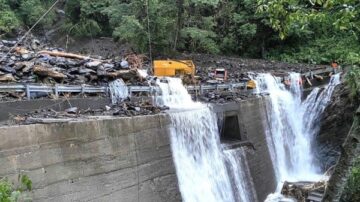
195	142
181	155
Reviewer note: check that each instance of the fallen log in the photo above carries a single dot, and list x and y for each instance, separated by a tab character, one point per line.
123	74
7	78
47	72
318	77
66	55
308	80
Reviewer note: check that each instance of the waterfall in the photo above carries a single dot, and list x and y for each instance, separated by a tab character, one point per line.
240	173
292	125
118	91
199	159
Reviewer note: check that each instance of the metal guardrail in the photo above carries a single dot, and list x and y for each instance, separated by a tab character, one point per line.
58	89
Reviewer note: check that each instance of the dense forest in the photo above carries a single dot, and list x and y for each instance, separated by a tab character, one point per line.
309	31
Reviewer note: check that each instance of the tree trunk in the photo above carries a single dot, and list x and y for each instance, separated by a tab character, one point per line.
350	150
180	6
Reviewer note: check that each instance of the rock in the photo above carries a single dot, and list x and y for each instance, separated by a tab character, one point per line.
7	69
93	64
25	56
72	110
335	123
86	71
8	43
21	50
124	64
35	44
109	66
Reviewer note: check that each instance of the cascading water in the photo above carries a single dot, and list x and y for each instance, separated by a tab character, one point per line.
197	153
240	173
292	125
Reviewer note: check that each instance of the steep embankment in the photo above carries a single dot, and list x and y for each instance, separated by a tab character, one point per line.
335	125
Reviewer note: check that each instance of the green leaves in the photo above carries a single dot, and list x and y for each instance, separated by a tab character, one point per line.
289	15
200	40
8	21
11	193
353	81
132	31
352	190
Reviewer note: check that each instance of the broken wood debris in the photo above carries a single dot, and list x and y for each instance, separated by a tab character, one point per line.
304	191
32	60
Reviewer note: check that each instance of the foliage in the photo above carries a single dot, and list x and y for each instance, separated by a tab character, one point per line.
352	190
10	193
31	10
310	31
353	81
341	48
8	19
286	16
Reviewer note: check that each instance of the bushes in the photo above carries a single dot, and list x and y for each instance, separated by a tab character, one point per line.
11	193
352	189
353	81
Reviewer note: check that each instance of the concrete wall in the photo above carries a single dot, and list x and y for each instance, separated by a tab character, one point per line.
25	106
251	114
118	159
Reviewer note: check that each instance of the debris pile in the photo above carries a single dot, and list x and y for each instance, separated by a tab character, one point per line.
34	62
124	109
304	191
237	68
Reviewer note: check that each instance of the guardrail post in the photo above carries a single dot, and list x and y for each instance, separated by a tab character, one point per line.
28	95
82	90
56	91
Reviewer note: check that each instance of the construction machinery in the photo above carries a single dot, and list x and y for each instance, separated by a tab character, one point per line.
220	74
174	68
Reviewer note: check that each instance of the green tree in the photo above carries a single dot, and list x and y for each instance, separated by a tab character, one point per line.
8	19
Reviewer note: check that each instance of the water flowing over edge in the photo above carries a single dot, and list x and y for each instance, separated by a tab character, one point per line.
200	162
291	127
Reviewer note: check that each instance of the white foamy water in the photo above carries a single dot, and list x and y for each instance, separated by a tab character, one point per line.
292	125
195	143
239	170
118	91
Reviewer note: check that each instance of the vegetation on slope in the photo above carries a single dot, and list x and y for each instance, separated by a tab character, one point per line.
310	31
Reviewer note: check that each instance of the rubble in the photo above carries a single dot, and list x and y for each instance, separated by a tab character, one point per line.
34	62
304	191
126	108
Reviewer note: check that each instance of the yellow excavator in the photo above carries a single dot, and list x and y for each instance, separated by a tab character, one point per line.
185	69
174	68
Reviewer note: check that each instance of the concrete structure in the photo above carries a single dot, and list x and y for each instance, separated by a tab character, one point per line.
117	159
251	116
120	159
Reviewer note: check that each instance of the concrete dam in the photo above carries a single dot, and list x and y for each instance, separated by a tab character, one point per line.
238	151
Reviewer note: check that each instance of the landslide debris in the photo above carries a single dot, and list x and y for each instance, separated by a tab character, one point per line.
36	62
124	109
